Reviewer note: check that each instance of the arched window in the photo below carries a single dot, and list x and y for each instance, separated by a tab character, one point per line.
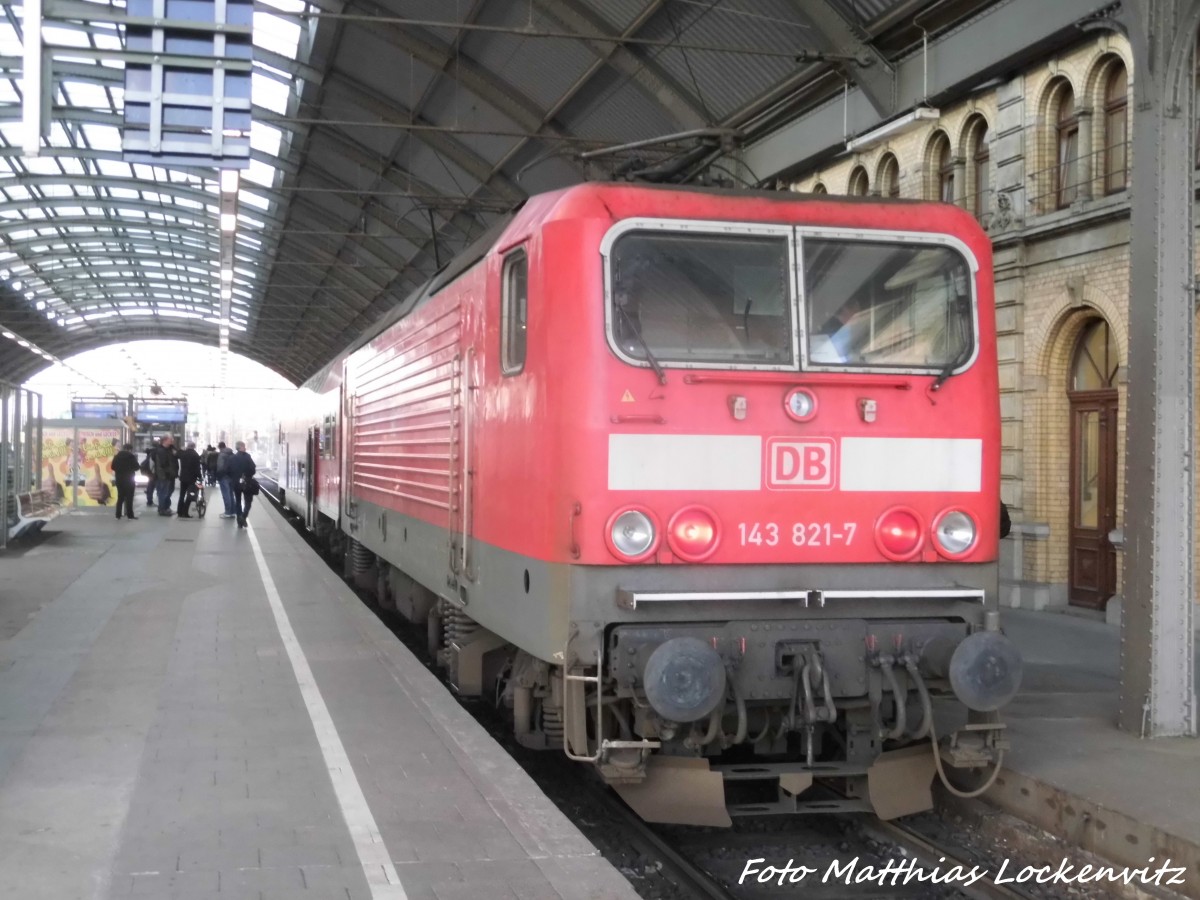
1066	149
818	188
1116	124
1095	365
889	177
859	184
981	170
942	160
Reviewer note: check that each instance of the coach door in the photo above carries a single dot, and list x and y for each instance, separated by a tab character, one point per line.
463	439
312	453
346	438
1093	401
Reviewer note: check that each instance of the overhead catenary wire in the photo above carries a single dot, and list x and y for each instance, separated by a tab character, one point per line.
544	33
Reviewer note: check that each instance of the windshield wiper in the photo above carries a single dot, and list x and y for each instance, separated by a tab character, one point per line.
637	334
949	370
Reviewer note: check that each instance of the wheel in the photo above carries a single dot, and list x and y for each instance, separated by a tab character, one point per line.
201	508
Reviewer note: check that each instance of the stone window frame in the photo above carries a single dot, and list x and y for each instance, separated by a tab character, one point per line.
1066	130
1115	108
859	183
942	183
976	150
887	176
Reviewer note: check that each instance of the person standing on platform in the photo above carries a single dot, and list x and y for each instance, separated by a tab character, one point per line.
148	471
210	465
241	471
189	474
124	465
224	455
166	470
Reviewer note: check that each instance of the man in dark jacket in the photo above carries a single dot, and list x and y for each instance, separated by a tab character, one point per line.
148	471
224	456
166	470
124	465
210	464
189	474
241	470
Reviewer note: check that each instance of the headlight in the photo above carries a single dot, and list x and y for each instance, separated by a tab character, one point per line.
693	533
800	404
954	532
898	533
632	534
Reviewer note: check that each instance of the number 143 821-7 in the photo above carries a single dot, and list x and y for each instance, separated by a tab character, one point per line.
803	534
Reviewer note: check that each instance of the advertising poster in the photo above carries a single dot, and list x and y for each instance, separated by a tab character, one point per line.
75	464
58	457
95	448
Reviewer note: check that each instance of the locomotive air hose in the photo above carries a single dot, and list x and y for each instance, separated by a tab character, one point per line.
765	729
739	701
897	730
937	763
926	704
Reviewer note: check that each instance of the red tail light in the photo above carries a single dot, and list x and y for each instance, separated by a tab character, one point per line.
898	533
694	533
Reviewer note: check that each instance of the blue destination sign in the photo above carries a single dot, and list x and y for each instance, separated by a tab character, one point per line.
97	409
162	413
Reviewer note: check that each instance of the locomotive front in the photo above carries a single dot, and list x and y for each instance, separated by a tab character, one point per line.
785	579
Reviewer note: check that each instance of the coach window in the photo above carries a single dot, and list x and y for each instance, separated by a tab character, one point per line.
327	437
696	298
888	305
514	312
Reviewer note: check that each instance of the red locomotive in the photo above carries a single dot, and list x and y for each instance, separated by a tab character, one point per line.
703	484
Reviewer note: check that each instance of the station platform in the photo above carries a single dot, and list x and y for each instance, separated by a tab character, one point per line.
189	710
1070	769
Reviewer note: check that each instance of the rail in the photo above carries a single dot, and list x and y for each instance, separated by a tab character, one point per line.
275	492
930	854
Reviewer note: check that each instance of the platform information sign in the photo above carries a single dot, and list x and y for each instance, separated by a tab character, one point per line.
97	409
162	412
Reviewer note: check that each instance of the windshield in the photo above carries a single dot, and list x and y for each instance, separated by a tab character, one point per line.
702	298
691	298
880	304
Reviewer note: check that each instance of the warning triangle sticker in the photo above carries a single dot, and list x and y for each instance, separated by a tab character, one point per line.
627	397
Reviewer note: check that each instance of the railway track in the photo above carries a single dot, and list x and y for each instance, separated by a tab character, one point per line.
675	862
931	855
796	854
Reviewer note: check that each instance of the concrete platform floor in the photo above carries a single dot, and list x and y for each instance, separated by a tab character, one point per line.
1072	771
175	723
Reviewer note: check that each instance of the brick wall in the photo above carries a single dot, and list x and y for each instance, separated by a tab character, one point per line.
1057	269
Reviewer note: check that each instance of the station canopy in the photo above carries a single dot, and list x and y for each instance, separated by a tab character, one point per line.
386	136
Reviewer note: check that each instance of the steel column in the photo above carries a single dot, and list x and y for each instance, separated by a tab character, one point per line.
1157	696
31	476
6	393
16	434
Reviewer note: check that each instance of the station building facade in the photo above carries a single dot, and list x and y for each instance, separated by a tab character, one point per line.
1042	158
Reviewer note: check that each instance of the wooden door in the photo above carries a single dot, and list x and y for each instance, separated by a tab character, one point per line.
1093	560
1093	398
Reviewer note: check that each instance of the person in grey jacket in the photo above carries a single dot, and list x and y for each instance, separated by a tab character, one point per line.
224	455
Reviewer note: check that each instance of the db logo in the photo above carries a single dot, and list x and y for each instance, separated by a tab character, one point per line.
801	465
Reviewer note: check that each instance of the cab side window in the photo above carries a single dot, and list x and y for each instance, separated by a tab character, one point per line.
514	309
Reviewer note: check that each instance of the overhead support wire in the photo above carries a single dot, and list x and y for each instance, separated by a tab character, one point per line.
526	32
